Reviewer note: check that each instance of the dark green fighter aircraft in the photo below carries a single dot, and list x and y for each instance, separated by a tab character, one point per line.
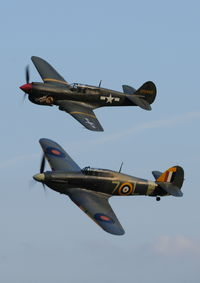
91	188
80	100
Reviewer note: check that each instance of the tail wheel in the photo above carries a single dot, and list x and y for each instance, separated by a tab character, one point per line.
158	198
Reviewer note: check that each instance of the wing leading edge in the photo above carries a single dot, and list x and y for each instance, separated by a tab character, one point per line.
97	207
82	113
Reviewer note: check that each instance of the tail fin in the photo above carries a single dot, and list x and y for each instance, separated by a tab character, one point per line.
142	97
171	180
173	175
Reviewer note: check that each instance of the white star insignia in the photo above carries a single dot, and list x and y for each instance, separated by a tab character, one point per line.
109	99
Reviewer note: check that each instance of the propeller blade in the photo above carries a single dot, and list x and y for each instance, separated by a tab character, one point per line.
32	183
27	77
27	74
45	189
24	97
42	166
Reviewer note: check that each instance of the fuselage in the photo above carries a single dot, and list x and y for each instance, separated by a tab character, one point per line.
49	94
101	180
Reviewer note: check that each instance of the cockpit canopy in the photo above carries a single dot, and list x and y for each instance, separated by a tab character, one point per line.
83	86
97	172
79	87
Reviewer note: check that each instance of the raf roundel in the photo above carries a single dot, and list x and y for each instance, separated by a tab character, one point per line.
103	218
126	189
55	152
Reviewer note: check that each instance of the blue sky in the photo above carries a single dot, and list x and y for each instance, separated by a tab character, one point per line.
44	237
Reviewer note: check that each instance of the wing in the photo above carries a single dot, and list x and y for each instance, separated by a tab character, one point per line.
82	113
96	206
47	72
57	157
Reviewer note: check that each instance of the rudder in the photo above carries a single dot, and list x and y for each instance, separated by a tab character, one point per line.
142	97
173	175
147	91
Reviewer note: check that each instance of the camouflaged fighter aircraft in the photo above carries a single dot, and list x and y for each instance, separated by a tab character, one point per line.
80	100
91	188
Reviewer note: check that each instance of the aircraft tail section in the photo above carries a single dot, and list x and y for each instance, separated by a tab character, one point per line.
142	97
171	180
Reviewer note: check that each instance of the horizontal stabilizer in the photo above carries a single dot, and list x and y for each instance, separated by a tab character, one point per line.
142	103
171	180
171	189
128	89
142	97
156	174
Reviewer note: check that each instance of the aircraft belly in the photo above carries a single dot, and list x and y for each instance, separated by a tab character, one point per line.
141	189
102	186
127	102
93	184
60	188
93	101
158	192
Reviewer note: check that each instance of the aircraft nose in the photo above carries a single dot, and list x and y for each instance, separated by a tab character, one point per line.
26	88
39	177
